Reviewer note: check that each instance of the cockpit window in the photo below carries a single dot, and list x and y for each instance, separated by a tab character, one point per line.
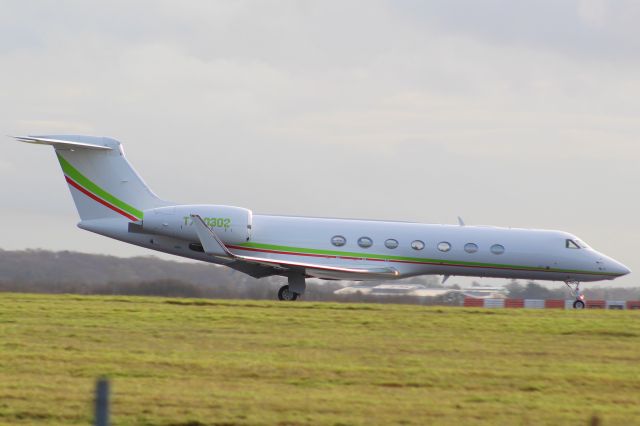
582	244
570	244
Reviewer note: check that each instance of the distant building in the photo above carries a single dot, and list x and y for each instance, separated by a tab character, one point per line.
419	290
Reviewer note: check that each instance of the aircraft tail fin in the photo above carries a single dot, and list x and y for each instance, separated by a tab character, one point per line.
102	182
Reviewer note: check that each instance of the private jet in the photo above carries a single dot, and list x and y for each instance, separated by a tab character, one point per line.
114	201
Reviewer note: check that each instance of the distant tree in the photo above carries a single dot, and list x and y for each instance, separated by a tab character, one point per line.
532	290
515	290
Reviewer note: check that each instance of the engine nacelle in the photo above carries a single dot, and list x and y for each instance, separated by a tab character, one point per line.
231	224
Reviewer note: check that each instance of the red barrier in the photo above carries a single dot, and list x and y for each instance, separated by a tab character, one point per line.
514	303
554	304
633	304
472	302
596	304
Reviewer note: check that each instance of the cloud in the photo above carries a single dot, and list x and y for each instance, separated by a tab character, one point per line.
593	12
6	168
38	127
588	30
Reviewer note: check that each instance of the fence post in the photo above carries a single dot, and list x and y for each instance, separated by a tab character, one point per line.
102	402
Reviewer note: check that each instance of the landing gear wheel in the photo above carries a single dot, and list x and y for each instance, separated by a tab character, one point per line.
578	304
285	294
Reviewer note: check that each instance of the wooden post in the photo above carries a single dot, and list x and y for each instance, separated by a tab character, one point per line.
102	402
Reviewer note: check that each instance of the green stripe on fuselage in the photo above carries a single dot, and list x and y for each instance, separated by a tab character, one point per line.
294	250
74	174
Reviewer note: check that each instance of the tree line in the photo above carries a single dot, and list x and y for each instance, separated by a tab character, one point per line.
65	272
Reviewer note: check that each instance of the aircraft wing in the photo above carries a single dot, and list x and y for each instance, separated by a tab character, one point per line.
214	246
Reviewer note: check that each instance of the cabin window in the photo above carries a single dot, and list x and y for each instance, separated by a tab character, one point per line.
417	245
497	249
570	244
444	246
471	247
391	243
365	242
338	241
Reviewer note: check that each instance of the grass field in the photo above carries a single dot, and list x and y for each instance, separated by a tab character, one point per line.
195	362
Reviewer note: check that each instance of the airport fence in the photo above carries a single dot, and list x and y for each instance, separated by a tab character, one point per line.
548	303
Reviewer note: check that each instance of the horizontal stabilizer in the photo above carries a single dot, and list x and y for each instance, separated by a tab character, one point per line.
60	144
214	246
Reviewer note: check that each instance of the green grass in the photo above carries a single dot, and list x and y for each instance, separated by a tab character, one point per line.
194	362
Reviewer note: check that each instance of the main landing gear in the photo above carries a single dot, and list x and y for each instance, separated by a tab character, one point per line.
579	302
296	287
286	294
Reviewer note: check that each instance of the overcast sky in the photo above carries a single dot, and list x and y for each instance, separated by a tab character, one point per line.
511	113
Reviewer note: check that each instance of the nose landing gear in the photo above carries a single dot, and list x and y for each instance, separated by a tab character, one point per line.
579	302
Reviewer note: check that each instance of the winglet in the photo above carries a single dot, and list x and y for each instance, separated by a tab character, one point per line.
209	240
460	221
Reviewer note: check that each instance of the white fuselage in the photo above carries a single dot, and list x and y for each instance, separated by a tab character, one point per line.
527	253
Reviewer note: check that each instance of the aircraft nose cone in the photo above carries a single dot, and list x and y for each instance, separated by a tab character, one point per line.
612	266
620	269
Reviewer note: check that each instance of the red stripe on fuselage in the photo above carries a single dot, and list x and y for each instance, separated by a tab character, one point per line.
325	256
77	186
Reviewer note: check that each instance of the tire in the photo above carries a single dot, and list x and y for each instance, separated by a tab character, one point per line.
578	304
285	294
